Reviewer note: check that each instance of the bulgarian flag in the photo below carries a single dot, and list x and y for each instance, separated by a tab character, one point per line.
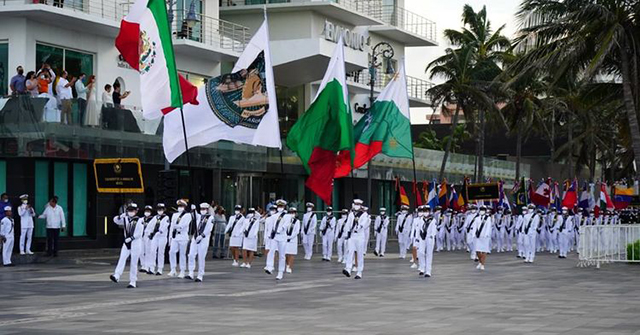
384	128
325	130
144	41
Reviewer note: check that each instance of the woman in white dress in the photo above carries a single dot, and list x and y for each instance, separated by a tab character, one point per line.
482	230
92	118
292	238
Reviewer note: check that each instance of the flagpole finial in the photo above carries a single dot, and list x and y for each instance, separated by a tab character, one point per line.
264	10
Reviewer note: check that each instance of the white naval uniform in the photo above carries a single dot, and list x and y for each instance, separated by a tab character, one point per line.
468	231
292	235
565	227
327	229
26	214
277	229
250	228
133	229
146	243
427	235
266	236
354	228
7	231
199	244
367	233
381	227
449	227
158	242
179	237
530	230
443	221
340	235
235	227
403	230
507	227
308	233
482	229
552	237
519	232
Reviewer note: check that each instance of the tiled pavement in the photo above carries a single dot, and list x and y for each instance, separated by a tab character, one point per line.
552	296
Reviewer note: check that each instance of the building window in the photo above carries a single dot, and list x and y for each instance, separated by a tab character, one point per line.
4	68
290	106
61	59
196	79
194	33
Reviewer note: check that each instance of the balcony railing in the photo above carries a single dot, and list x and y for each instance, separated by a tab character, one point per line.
366	7
416	87
407	21
209	31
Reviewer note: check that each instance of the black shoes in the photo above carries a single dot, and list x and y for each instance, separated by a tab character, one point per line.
346	273
358	277
113	278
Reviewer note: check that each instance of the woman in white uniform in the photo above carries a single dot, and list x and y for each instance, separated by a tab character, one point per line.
250	241
482	229
292	238
235	231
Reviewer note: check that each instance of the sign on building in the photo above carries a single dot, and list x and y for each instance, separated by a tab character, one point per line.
352	38
485	191
118	175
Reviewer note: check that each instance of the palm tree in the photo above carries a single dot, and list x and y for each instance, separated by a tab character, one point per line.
585	39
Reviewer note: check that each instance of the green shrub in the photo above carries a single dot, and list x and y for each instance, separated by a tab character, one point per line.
633	251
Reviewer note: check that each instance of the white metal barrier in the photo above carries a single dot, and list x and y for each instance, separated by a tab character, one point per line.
608	244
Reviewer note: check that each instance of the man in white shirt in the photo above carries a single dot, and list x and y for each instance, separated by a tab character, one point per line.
26	213
63	89
6	236
55	223
81	91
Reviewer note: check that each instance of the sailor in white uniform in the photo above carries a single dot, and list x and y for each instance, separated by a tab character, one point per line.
133	228
308	233
277	226
179	238
236	233
381	228
146	243
199	238
340	235
293	231
354	228
327	230
403	230
250	239
468	230
482	230
7	231
26	213
158	237
519	231
531	227
427	239
565	227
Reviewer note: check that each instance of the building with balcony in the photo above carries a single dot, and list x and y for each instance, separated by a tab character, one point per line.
43	157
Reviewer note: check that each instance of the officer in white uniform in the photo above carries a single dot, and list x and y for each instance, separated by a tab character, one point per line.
327	230
278	225
146	243
200	235
235	229
427	238
133	229
266	237
340	235
158	237
415	231
530	230
293	231
519	227
250	228
403	230
482	231
468	230
564	227
26	213
308	233
381	228
179	238
7	226
354	228
367	229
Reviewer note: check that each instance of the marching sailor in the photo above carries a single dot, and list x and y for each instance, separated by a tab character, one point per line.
146	242
367	229
450	238
327	229
158	237
403	230
273	209
236	233
519	231
179	238
427	238
200	235
250	229
354	228
415	232
530	229
481	229
277	226
133	228
552	231
340	235
26	213
507	227
381	227
468	224
6	236
443	220
293	230
565	227
308	233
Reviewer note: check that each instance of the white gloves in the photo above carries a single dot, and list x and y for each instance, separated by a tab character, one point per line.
198	239
127	240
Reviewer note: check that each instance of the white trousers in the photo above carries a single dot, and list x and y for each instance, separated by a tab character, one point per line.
552	242
381	242
136	249
451	240
340	247
175	248
327	245
356	246
156	256
366	240
145	260
403	242
307	244
281	248
470	244
7	249
425	255
198	250
440	240
26	235
520	244
529	247
564	240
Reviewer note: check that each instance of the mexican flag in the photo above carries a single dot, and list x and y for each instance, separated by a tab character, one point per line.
605	200
385	128
144	41
325	129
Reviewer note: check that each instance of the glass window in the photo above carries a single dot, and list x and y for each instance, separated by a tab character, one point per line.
77	62
290	106
4	68
74	62
182	8
51	55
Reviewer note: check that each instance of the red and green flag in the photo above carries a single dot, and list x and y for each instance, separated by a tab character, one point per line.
325	130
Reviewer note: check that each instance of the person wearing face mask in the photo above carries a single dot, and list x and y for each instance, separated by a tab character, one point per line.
552	232
26	213
354	228
482	230
273	209
250	228
236	233
200	235
530	232
158	240
519	231
276	227
308	233
179	238
367	229
427	235
381	228
472	215
146	243
565	227
295	226
340	235
403	230
133	228
327	230
4	202
414	237
7	226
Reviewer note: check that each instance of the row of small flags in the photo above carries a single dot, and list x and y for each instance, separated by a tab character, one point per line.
545	194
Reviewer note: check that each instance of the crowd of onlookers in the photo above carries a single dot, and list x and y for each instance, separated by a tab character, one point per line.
62	90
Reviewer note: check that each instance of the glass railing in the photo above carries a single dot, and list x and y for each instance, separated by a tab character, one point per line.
416	87
366	7
407	21
208	31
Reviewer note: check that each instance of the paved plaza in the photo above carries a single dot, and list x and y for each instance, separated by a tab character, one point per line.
552	296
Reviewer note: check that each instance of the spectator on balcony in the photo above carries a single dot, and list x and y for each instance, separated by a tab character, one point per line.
18	82
81	92
32	84
63	89
44	80
93	108
107	97
117	96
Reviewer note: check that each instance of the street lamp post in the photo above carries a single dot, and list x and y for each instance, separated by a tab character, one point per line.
381	52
